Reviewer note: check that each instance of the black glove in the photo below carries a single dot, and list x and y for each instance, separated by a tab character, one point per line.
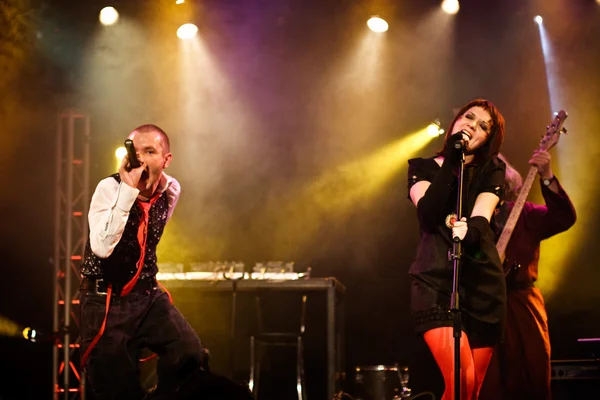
429	211
476	226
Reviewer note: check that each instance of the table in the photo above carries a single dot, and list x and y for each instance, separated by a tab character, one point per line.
334	310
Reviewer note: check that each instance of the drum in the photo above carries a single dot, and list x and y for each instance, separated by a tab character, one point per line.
380	382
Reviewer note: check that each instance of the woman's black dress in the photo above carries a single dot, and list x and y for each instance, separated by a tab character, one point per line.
482	292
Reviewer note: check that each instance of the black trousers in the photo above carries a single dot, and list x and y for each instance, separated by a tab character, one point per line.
137	321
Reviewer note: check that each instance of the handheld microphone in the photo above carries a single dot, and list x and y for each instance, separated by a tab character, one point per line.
133	160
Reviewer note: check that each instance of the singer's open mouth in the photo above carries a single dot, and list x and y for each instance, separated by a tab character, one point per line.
467	134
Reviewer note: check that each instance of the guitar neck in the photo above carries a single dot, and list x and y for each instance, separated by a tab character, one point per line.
515	213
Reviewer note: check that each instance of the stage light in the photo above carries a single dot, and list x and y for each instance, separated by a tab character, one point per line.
538	19
434	129
180	2
450	6
187	31
108	15
120	153
30	334
377	24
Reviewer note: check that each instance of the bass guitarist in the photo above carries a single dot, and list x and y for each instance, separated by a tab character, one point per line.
520	366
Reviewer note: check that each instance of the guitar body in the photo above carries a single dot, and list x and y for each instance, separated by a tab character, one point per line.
511	268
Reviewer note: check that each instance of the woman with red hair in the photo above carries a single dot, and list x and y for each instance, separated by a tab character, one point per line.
478	128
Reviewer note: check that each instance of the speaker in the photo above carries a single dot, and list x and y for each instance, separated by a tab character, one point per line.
575	379
575	369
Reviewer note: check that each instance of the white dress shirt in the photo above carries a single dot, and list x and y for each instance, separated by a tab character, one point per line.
110	206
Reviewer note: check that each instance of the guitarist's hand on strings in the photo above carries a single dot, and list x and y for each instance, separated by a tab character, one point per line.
541	159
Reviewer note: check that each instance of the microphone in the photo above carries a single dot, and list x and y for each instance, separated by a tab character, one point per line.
133	160
460	140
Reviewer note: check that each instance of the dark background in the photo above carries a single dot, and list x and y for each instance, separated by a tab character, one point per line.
282	96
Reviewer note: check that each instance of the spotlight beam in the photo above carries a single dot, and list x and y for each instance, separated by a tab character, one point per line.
339	192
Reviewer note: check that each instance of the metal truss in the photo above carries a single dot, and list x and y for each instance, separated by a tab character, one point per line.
70	236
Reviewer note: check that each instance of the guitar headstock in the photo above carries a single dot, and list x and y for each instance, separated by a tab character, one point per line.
554	130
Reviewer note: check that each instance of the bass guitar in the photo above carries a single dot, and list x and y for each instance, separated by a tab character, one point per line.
549	140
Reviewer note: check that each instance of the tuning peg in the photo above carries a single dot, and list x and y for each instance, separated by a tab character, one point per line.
564	130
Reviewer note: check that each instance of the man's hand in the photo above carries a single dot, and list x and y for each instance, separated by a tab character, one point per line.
459	229
131	177
541	159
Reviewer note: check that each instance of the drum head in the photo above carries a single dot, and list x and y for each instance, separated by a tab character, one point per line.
377	382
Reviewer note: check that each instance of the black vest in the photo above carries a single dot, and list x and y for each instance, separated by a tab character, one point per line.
121	265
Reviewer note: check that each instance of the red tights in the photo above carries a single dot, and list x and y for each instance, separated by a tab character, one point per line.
473	362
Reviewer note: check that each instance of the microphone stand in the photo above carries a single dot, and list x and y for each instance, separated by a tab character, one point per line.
454	299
